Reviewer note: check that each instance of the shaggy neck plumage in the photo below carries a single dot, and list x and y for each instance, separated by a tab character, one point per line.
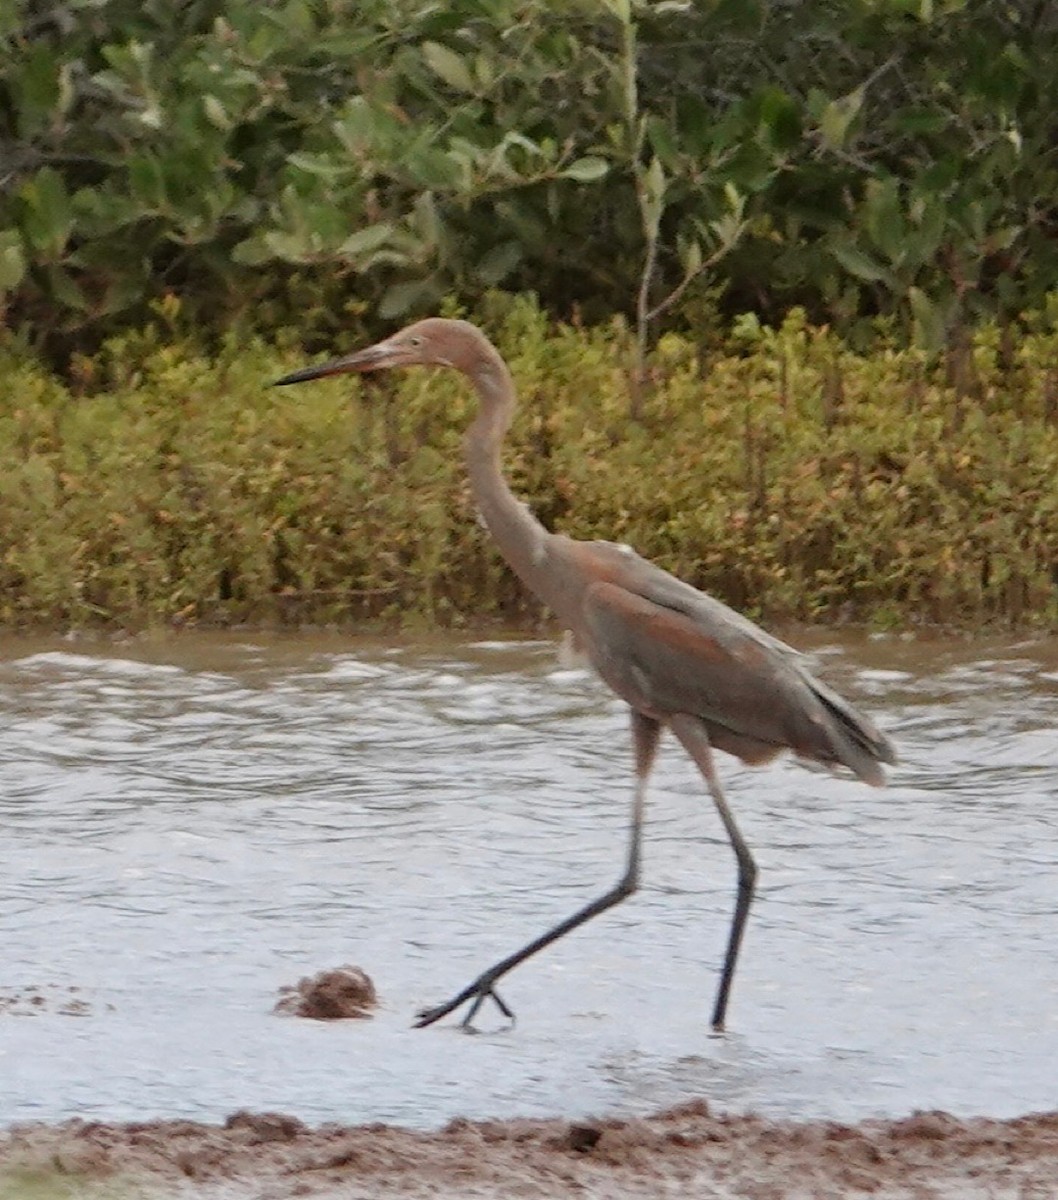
520	536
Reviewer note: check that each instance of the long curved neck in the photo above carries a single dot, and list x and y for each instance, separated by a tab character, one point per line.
519	535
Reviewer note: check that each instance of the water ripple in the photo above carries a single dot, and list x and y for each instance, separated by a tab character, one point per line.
190	825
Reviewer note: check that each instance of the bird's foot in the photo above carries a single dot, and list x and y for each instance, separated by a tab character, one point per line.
477	993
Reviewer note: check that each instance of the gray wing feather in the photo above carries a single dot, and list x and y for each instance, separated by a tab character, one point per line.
745	682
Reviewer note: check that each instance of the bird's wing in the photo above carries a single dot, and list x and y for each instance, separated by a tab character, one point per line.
667	647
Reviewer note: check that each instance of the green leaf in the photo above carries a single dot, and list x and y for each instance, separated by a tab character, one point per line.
499	263
736	202
12	260
838	116
448	66
401	297
728	229
47	212
358	125
654	181
747	328
289	247
885	218
652	196
929	323
750	167
323	166
119	294
216	113
859	264
103	210
252	252
428	219
64	289
663	138
485	72
1003	238
585	170
691	258
37	90
365	240
432	167
146	181
779	116
920	120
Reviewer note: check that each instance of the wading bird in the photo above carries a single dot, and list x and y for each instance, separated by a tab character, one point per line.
680	659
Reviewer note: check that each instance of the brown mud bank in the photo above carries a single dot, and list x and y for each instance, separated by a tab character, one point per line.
685	1151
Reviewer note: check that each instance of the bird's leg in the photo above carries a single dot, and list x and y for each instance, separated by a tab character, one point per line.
695	741
645	733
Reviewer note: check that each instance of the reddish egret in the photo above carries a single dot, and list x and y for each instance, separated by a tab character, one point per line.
679	658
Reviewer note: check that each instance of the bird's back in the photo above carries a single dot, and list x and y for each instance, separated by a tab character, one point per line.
667	648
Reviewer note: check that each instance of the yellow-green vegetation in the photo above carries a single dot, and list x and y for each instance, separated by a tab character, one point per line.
787	473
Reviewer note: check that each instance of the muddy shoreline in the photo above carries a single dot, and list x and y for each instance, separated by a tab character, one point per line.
685	1151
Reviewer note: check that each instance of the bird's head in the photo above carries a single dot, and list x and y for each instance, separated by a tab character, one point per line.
436	341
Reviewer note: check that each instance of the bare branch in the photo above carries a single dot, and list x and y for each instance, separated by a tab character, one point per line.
684	284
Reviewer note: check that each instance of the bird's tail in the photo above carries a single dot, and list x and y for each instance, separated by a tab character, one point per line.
858	743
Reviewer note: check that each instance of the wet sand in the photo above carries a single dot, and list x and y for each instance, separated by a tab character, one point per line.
685	1151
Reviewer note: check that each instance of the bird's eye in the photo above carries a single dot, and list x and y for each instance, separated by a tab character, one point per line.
415	341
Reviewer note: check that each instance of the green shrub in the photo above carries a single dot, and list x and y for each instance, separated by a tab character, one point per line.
273	160
799	479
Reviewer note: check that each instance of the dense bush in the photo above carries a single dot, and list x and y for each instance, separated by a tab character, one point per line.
798	479
266	159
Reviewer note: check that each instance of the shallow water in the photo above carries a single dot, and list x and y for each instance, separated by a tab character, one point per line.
191	824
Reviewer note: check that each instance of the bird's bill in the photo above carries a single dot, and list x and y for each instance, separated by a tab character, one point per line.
373	358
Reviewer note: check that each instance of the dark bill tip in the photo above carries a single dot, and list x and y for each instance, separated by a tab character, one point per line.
371	359
305	374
